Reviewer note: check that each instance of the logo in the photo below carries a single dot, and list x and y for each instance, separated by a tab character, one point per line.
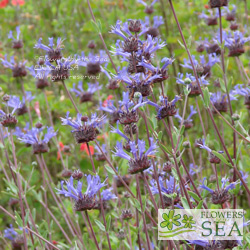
200	224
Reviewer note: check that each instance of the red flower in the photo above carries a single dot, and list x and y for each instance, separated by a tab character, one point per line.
18	2
61	145
37	109
54	242
105	103
85	148
3	3
60	150
206	6
226	205
102	136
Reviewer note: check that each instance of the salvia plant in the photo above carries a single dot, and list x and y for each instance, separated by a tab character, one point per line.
111	110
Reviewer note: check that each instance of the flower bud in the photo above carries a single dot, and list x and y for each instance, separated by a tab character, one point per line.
84	119
6	98
91	45
66	173
137	95
135	26
186	144
77	174
187	81
236	117
39	125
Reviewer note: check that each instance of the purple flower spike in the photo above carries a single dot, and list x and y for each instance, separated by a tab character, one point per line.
205	187
166	108
18	69
128	115
54	54
17	43
84	129
108	195
139	159
119	132
87	200
34	137
10	233
203	146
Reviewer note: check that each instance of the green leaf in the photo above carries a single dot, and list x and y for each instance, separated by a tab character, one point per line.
91	172
206	97
221	157
26	218
229	84
110	170
34	213
136	204
200	205
186	90
11	187
172	195
194	195
160	135
19	220
181	44
96	26
126	244
189	41
175	137
108	222
238	151
76	246
182	170
100	225
182	130
165	149
185	203
174	172
99	25
179	157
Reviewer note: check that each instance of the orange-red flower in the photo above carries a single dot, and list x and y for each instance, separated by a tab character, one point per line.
18	2
206	6
37	109
105	103
3	3
102	136
61	145
84	147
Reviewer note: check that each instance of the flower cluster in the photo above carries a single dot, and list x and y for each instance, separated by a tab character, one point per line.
53	54
87	200
166	108
84	129
8	119
188	123
128	109
220	101
235	42
93	62
85	96
203	67
16	42
211	19
139	161
168	187
34	137
193	86
220	196
18	69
